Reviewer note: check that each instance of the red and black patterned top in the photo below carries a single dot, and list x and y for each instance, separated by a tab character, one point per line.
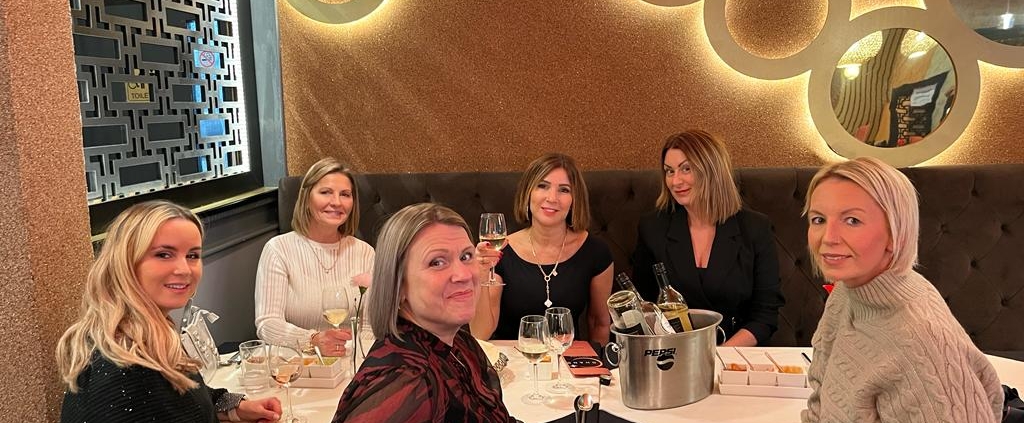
422	379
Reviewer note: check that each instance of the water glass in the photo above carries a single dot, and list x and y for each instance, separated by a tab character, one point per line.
255	371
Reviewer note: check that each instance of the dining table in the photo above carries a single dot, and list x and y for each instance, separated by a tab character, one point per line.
317	405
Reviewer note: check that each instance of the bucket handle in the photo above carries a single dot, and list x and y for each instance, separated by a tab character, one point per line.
721	331
610	348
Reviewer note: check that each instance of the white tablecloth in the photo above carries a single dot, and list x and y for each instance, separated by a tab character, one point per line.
318	405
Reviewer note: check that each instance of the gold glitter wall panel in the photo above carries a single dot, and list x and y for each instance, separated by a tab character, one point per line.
45	221
463	86
791	25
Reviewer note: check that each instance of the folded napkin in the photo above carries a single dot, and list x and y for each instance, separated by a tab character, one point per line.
490	350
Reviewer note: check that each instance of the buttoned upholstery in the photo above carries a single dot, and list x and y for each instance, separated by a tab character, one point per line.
971	243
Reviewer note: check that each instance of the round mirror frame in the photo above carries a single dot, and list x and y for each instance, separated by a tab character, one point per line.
838	32
967	77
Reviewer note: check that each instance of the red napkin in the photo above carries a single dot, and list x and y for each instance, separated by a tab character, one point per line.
583	349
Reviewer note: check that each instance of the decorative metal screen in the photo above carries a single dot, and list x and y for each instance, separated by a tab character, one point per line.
160	86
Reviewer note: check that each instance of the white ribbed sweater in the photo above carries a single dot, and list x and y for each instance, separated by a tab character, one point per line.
891	351
289	282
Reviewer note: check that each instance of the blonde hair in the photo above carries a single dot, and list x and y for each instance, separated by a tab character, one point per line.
892	191
578	217
715	197
389	264
119	320
301	216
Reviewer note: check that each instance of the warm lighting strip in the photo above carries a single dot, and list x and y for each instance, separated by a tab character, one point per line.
336	11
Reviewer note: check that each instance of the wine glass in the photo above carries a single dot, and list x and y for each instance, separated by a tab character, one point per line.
285	367
493	230
560	335
335	305
533	343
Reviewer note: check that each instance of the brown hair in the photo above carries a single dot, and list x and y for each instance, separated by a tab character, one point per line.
579	214
715	195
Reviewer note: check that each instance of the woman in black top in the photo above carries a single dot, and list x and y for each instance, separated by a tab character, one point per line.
554	261
719	255
123	360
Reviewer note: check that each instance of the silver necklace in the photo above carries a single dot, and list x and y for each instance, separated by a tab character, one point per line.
554	270
313	250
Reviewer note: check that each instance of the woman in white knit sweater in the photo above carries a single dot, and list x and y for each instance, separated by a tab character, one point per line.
887	348
321	252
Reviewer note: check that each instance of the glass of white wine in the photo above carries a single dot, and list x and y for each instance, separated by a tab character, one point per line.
494	231
285	367
533	344
560	334
335	305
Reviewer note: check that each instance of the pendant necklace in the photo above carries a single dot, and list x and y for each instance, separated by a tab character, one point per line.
554	270
313	250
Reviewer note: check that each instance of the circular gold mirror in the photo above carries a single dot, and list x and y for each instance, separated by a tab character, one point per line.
893	88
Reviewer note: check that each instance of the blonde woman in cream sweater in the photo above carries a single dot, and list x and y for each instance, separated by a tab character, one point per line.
322	252
887	348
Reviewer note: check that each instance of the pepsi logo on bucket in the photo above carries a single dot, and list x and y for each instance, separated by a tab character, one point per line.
665	357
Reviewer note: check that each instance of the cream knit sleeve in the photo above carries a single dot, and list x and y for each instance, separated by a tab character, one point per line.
939	385
272	279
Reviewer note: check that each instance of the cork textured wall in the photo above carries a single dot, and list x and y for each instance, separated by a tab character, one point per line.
44	222
462	86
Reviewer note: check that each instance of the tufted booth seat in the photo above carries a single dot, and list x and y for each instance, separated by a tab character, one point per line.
971	243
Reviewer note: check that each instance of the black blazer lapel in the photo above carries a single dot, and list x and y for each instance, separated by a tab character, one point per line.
724	251
679	251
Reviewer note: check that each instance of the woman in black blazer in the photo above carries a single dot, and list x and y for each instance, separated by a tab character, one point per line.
719	255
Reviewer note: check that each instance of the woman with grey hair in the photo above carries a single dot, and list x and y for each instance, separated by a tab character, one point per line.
424	367
887	348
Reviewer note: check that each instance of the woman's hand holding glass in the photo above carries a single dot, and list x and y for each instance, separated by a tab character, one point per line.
332	341
533	344
335	305
492	231
560	334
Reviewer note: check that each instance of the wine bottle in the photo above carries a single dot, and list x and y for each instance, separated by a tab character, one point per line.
626	315
652	314
671	302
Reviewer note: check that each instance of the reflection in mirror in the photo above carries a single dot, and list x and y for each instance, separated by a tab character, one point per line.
893	87
1001	21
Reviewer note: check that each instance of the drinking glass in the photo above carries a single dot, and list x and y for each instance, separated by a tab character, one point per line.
286	365
253	355
335	306
560	335
533	344
493	230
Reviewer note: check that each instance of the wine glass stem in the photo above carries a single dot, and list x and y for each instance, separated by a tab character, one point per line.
558	369
536	387
491	277
288	394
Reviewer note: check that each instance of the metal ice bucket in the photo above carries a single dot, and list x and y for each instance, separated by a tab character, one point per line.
665	371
